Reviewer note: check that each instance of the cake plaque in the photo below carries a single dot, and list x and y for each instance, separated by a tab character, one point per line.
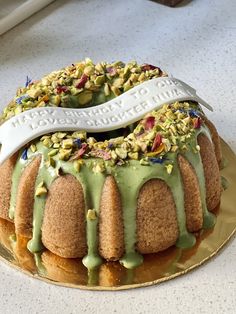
119	112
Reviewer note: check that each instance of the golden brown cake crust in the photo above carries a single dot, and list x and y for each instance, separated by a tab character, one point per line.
211	171
25	199
6	171
64	269
215	139
192	199
111	227
63	229
157	227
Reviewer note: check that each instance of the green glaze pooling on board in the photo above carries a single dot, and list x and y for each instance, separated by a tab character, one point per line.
224	183
39	264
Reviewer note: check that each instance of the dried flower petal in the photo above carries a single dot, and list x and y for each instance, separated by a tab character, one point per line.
101	154
21	98
149	123
82	81
28	81
112	71
80	152
193	113
24	155
157	160
61	89
197	122
78	142
148	67
157	142
157	151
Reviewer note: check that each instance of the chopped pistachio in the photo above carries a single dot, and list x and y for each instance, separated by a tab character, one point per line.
77	164
141	77
121	153
34	93
106	89
53	152
56	145
55	138
118	82
99	80
174	148
41	189
170	115
51	162
18	110
115	90
41	184
117	141
91	214
169	168
85	97
68	143
33	148
99	68
80	134
144	162
133	155
47	142
64	154
89	70
98	167
113	155
127	85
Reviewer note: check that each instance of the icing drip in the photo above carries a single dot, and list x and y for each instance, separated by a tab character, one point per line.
224	183
92	184
196	162
39	264
19	167
48	176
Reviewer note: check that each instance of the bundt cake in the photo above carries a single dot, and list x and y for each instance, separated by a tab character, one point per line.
114	195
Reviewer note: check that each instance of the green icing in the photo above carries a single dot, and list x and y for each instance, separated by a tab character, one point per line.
92	184
47	176
196	162
224	163
92	259
224	183
39	264
129	178
93	276
18	169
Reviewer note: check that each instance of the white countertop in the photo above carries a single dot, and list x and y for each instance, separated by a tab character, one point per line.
196	43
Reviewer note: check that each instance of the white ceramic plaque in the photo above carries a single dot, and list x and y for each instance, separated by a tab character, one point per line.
114	114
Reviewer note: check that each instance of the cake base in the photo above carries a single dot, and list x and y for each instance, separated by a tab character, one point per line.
156	268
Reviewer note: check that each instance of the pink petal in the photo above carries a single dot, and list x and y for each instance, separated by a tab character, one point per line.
149	123
157	142
112	71
197	123
82	81
148	67
61	89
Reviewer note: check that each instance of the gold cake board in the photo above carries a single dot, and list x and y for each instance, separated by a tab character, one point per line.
111	275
